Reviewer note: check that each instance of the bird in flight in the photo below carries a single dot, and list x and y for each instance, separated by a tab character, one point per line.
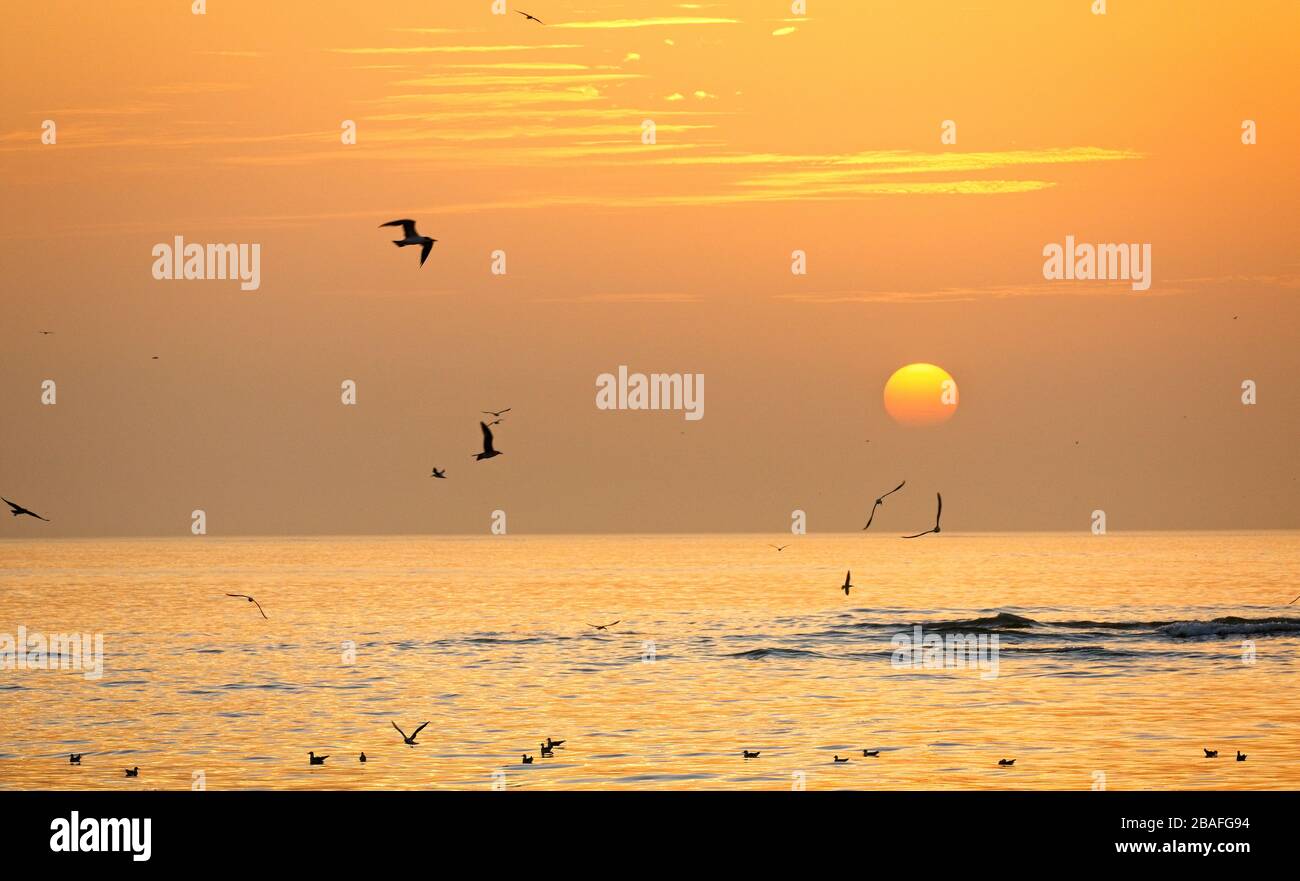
604	626
412	238
1292	603
530	17
244	596
410	741
846	586
19	510
781	548
45	332
937	515
442	474
488	450
496	413
880	501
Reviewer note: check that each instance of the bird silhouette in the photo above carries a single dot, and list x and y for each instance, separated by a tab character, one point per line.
1292	603
528	760
846	586
1241	756
74	758
1211	753
552	744
880	501
870	753
604	626
315	759
937	515
244	596
488	450
781	548
363	758
496	414
1006	763
749	755
411	237
547	752
840	761
19	510
133	772
410	741
439	473
45	332
530	17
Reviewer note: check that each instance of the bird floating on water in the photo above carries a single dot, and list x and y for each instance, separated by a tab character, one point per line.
546	751
363	758
410	741
528	760
488	450
74	758
749	755
133	772
552	744
1006	763
1241	756
840	761
315	759
244	596
1211	753
937	515
19	510
411	237
880	501
870	753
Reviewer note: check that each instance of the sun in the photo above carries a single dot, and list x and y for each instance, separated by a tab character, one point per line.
921	394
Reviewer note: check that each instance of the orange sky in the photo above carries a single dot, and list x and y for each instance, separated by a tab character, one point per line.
495	132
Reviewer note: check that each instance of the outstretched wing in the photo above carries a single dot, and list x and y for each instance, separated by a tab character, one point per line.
848	576
424	251
11	504
873	514
407	225
895	489
487	438
938	513
416	732
400	731
259	606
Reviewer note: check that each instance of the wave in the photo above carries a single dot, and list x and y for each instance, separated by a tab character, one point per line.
1232	626
1006	622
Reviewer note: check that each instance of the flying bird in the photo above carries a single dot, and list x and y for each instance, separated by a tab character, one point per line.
45	332
496	413
244	596
488	451
604	626
19	510
880	501
410	741
937	515
1292	603
442	474
530	17
781	548
846	586
412	238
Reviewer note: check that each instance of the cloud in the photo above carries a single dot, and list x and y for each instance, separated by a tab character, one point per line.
619	23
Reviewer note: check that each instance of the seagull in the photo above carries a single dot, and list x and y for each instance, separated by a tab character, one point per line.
937	515
530	17
840	761
528	760
488	451
749	755
19	510
74	758
846	586
410	741
552	744
412	238
870	753
1006	763
604	626
442	474
1241	756
1292	603
315	759
45	332
1211	753
546	751
496	413
244	596
781	548
135	772
880	501
363	758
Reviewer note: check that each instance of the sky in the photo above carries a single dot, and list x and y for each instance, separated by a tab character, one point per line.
774	132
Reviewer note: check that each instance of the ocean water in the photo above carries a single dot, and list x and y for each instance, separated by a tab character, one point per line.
1118	658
